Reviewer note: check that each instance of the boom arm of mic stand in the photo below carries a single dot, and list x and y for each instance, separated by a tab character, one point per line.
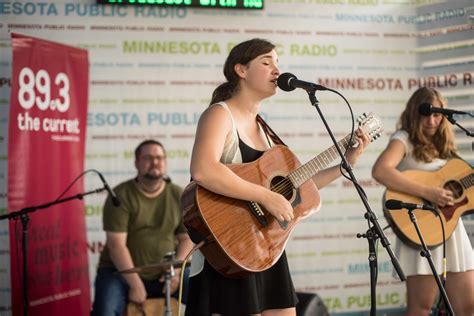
26	210
23	215
451	119
370	214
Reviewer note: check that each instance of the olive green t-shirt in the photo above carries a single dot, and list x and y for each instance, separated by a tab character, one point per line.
151	224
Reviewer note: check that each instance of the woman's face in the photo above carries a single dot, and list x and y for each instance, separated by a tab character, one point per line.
261	74
430	123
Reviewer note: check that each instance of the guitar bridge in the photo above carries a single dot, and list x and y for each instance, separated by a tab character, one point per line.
258	213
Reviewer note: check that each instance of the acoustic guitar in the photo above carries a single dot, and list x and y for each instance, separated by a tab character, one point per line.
456	176
241	236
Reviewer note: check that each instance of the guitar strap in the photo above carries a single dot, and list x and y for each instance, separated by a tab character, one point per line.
269	132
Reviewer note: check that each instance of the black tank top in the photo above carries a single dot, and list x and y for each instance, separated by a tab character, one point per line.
248	153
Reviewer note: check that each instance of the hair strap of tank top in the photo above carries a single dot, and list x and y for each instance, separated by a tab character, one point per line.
269	132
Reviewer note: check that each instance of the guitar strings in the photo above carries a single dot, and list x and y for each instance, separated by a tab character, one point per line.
285	186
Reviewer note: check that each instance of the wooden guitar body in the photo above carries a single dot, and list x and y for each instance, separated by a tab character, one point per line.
456	176
237	241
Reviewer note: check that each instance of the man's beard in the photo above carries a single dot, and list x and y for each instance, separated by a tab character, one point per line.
152	177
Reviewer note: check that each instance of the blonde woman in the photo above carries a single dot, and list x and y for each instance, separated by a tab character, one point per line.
427	143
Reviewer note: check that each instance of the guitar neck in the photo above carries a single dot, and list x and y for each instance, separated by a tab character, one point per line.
318	163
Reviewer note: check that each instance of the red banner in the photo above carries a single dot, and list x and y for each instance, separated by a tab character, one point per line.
46	143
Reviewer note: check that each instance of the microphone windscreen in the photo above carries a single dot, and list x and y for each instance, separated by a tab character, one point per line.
425	109
115	201
393	204
283	81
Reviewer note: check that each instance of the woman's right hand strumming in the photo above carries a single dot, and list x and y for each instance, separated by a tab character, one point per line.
439	196
277	205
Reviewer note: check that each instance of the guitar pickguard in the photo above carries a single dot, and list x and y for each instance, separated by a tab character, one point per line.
456	188
448	211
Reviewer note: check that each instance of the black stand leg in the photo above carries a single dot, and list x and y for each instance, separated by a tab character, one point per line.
24	249
373	271
371	236
425	252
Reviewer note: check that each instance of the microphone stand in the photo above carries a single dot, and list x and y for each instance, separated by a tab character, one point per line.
168	275
373	232
23	216
425	252
451	119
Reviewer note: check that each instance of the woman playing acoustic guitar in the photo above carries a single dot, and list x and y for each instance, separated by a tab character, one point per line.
426	142
228	132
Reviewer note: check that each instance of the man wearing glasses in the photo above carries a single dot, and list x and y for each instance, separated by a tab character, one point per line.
146	227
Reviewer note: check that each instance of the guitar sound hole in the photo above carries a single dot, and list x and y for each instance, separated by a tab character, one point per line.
282	185
454	187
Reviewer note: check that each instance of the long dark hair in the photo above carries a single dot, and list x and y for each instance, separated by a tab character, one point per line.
442	145
242	54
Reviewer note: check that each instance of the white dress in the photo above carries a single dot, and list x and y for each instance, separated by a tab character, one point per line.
459	252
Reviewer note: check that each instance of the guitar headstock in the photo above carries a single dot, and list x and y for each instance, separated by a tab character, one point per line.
371	124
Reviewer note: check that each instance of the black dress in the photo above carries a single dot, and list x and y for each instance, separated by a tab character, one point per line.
211	292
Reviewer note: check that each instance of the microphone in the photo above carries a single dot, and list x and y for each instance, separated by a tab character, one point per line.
289	82
115	199
397	205
427	109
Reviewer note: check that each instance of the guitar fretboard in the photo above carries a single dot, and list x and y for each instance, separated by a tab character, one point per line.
309	169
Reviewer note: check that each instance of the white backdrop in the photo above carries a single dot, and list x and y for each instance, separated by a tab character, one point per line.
152	71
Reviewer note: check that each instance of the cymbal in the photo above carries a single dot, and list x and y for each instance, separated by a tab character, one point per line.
157	268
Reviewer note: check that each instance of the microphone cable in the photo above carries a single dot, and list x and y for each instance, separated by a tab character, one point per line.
75	180
351	139
181	276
